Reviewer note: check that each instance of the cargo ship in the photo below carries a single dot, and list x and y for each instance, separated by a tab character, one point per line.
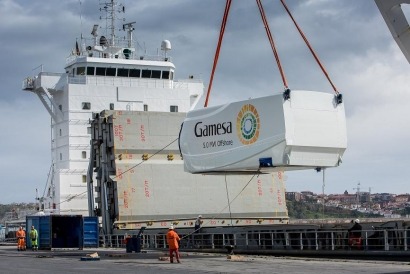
114	111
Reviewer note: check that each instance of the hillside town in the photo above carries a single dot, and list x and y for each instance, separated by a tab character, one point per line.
387	205
384	204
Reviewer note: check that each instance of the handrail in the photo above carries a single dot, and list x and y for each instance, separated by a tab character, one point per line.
383	239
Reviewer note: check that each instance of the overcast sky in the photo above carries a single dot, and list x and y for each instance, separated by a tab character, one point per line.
349	36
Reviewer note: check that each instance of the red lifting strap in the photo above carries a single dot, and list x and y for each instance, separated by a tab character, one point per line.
310	48
272	43
218	48
268	32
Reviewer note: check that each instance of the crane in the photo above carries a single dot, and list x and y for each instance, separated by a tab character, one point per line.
397	23
357	193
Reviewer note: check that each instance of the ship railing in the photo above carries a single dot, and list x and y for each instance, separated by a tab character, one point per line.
155	58
313	240
118	42
5	239
121	43
121	81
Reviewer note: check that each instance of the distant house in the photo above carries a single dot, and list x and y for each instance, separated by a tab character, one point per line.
344	198
307	193
293	196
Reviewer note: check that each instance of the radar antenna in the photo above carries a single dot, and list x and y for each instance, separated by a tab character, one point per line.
129	28
111	9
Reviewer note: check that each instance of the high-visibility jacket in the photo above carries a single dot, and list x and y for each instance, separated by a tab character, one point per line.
33	234
20	234
172	239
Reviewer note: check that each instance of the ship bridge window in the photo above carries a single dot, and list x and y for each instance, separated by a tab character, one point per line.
165	74
81	71
172	76
146	73
122	72
110	71
90	70
156	74
100	71
86	105
135	73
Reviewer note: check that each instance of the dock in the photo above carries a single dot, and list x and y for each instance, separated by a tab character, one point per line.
149	261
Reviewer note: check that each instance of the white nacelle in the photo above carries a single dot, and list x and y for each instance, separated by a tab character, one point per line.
306	131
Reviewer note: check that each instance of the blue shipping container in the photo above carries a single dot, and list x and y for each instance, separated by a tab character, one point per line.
63	231
90	232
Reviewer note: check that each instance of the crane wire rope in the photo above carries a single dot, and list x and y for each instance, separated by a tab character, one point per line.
257	173
229	203
128	170
310	47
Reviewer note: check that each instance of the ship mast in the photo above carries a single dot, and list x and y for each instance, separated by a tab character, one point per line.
111	8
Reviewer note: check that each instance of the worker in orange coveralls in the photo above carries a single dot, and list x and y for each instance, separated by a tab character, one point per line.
172	240
355	235
21	239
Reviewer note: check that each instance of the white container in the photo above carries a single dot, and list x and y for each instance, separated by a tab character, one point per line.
269	133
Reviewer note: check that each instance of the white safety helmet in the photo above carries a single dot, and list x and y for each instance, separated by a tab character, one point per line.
199	216
171	227
356	221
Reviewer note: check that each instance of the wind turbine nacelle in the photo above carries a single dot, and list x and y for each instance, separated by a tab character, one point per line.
306	131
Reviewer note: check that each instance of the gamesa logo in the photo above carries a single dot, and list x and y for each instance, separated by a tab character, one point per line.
248	124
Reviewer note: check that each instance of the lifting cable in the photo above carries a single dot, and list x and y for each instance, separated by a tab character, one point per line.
128	170
310	48
218	48
272	43
256	174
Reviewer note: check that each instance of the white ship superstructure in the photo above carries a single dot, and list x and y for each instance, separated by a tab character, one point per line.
101	73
